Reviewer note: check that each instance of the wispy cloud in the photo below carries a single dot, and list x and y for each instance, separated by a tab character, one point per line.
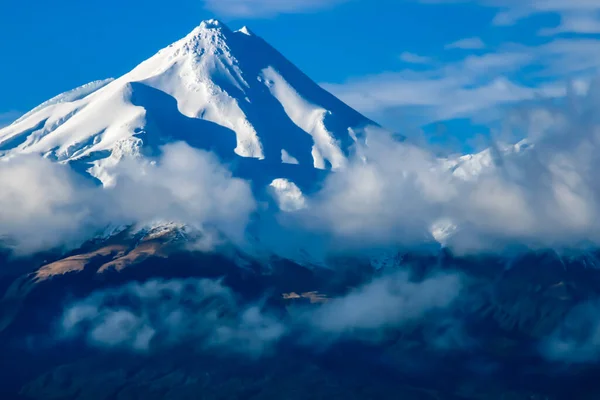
505	74
210	315
462	88
473	43
476	83
164	313
510	12
387	302
412	58
266	8
576	23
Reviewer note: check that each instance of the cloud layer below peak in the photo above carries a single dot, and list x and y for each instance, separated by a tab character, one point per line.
44	205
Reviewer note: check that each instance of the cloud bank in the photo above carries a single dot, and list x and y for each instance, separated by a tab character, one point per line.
387	302
540	193
185	185
45	204
158	314
142	317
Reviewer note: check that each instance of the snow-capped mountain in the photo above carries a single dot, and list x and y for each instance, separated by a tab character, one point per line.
221	90
218	89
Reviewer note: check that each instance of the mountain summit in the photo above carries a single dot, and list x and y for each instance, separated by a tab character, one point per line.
218	89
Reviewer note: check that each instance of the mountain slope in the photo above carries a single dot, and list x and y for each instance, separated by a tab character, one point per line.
215	88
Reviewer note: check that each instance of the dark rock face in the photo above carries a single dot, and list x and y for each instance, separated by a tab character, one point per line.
486	345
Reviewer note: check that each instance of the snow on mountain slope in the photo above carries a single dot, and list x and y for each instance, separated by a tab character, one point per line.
215	89
69	96
470	166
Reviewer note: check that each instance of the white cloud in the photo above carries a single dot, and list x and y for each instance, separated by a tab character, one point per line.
184	185
388	201
544	197
265	8
477	83
473	43
45	204
575	23
412	58
142	317
513	11
387	302
456	90
568	58
517	73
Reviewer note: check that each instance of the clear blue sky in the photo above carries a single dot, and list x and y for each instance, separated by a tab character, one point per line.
403	62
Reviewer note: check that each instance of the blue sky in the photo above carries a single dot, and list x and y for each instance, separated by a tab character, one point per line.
405	63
